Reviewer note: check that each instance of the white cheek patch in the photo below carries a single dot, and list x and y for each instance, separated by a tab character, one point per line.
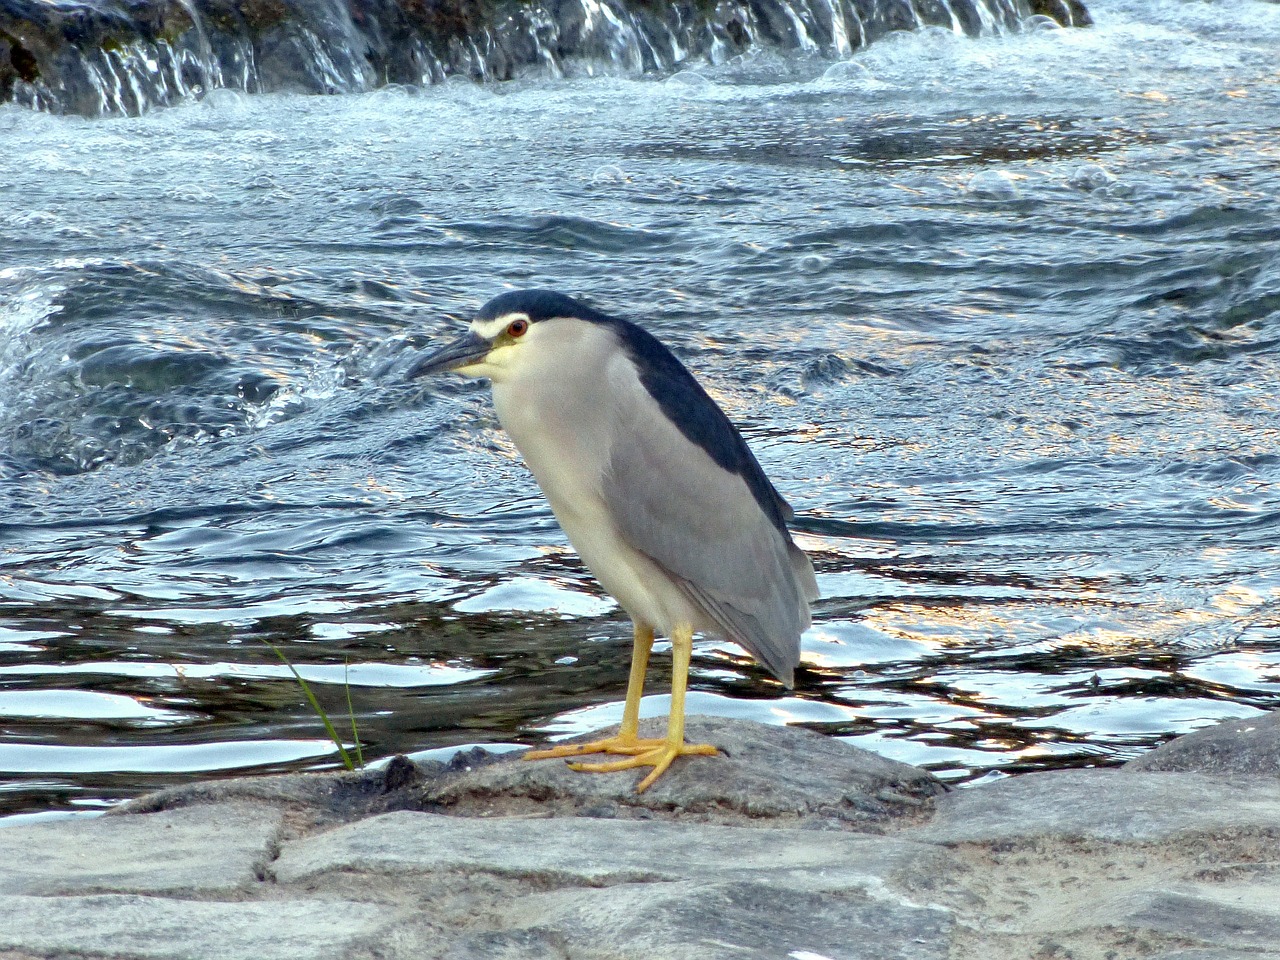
502	356
491	328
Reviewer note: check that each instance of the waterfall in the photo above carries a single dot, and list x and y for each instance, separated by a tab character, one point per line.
102	57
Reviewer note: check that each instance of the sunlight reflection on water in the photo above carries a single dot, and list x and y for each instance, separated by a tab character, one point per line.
998	320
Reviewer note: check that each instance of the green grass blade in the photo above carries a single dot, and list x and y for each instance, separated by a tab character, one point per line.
351	712
315	705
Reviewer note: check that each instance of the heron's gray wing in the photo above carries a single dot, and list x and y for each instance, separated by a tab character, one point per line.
702	523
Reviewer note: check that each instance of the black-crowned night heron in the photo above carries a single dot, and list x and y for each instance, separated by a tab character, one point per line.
656	489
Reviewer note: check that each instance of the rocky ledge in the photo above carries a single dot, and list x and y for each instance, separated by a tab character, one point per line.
789	845
96	57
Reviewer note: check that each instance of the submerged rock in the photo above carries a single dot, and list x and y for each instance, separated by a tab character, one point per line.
96	57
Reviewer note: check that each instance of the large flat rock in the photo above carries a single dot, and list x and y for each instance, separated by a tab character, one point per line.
764	775
308	800
1110	805
197	850
748	919
640	890
578	852
789	846
1110	864
162	928
1230	917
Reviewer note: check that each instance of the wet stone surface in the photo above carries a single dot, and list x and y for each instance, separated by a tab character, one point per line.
167	928
67	57
168	853
1242	748
551	851
1107	806
499	858
763	775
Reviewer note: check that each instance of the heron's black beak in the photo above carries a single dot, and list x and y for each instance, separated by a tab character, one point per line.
465	350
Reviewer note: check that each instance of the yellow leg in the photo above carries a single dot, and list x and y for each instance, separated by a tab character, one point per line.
628	740
660	753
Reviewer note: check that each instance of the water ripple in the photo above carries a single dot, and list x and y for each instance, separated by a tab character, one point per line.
998	315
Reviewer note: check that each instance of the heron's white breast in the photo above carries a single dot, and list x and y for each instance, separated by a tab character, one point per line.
564	407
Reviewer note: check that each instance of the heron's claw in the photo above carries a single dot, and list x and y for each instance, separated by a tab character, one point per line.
622	745
641	752
658	756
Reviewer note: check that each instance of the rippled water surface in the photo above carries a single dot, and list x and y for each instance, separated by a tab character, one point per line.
1001	317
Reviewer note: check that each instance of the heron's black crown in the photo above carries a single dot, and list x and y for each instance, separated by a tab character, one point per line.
539	305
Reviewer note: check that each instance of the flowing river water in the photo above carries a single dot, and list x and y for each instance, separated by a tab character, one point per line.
999	315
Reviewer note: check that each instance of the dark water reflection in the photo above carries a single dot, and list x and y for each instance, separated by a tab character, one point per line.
1001	317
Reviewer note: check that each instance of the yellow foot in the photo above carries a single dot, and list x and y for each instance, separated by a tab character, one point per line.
658	756
624	745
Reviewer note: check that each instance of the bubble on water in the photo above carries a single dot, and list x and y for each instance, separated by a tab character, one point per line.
939	34
33	218
1040	23
689	78
608	174
813	263
225	99
394	91
188	193
846	70
688	83
1091	177
993	185
1119	190
851	73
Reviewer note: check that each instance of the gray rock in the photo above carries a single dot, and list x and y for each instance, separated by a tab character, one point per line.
1235	748
586	888
206	849
158	928
65	57
308	800
764	775
720	860
744	920
1224	918
1110	805
577	852
509	945
1111	863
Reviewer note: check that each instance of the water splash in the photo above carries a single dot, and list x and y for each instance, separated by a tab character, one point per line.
27	299
95	58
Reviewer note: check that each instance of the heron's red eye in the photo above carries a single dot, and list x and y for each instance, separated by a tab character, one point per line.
517	328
